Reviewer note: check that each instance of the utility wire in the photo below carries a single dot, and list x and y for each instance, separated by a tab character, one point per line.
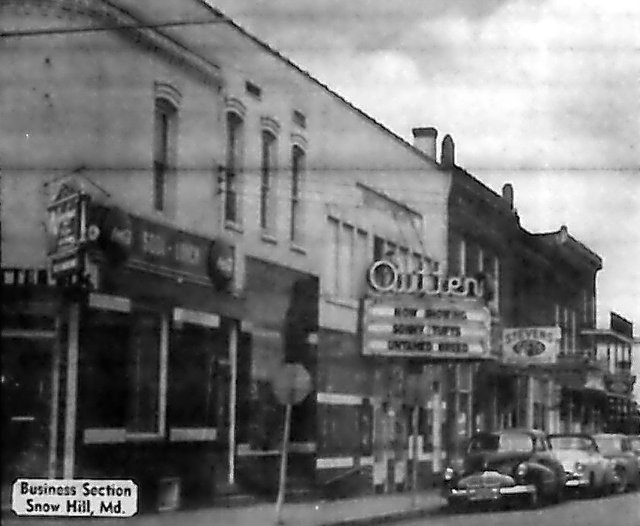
97	28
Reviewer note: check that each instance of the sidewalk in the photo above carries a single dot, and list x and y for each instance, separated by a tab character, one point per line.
370	509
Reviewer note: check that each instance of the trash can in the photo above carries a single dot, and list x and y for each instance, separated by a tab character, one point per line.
168	493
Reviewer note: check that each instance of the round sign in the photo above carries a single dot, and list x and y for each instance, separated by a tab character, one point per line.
291	383
529	347
221	263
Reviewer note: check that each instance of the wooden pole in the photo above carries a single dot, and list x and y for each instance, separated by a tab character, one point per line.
414	482
283	464
71	400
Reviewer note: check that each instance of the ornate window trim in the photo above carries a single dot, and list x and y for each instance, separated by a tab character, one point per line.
165	90
235	105
270	124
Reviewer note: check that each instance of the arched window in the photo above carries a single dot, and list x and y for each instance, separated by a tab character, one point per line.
267	180
165	150
233	171
298	165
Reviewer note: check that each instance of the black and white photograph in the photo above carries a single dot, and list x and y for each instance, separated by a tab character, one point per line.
320	262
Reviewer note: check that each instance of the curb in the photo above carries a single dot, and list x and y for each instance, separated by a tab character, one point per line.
394	516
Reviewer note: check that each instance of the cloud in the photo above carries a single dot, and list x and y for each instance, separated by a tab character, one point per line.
541	93
517	83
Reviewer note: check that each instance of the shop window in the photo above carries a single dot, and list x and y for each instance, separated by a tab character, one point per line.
122	371
198	383
366	428
144	372
105	337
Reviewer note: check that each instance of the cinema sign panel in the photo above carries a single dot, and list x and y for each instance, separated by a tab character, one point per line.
428	327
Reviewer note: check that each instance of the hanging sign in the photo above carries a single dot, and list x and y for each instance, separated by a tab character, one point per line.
531	345
160	248
66	231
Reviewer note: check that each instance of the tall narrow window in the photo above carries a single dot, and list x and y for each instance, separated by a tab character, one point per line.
462	258
266	181
164	151
297	171
333	263
496	276
233	169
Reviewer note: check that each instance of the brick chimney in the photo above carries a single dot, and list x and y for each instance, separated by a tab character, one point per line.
424	139
448	152
507	194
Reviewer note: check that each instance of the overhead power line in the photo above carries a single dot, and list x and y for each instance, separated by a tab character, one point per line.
111	27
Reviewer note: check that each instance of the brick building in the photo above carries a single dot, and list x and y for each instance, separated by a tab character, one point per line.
184	210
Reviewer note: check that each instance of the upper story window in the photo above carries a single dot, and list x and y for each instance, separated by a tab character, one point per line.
298	162
267	181
233	171
349	255
164	158
462	257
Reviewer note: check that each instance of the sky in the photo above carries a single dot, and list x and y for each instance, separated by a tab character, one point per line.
544	94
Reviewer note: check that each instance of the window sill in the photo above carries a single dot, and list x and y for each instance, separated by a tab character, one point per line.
232	225
297	248
268	238
141	437
342	302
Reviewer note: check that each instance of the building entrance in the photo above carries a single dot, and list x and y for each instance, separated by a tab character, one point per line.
26	406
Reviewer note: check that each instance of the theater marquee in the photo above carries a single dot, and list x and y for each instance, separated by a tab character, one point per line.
426	327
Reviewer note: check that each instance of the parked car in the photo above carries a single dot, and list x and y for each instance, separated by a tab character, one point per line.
586	468
626	465
504	465
635	444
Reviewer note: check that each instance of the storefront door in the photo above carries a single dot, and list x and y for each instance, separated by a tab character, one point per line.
26	401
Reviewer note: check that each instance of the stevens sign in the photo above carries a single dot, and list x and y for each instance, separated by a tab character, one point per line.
435	327
527	345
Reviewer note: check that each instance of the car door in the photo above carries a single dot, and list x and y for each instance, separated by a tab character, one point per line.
542	455
631	461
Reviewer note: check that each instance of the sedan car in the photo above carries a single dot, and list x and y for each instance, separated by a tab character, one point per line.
586	469
617	448
635	444
504	465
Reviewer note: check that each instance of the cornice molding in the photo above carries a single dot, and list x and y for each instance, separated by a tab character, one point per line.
107	15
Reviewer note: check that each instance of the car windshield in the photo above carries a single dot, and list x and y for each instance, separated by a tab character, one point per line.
572	442
519	442
609	444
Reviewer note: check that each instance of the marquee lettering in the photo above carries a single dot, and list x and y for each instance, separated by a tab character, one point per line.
383	276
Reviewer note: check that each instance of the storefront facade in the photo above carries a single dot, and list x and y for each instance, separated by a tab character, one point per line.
405	376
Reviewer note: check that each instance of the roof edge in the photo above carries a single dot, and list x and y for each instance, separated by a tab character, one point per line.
289	62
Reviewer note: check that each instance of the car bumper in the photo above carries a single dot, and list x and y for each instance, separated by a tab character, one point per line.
576	483
488	494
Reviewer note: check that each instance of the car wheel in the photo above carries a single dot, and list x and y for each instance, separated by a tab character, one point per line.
534	499
593	490
456	506
621	481
560	494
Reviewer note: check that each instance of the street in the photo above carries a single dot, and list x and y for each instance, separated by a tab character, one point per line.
620	510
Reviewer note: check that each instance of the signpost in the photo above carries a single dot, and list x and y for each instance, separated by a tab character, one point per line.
415	392
291	385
